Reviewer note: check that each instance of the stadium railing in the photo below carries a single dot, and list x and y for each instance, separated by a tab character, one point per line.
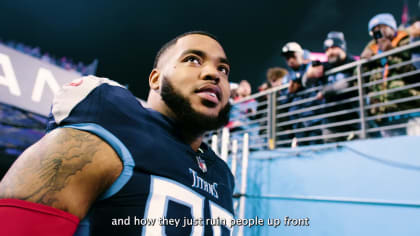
277	121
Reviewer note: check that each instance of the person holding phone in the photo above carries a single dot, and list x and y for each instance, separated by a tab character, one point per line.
385	36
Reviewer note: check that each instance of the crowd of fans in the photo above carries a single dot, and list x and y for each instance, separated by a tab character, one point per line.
303	78
63	62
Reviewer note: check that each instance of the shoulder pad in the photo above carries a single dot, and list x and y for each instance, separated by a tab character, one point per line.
73	93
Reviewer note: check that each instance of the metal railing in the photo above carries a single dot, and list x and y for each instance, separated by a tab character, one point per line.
371	105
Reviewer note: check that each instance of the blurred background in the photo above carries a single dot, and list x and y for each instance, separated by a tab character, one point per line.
346	186
125	35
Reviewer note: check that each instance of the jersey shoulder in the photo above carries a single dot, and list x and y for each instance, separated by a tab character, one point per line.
89	99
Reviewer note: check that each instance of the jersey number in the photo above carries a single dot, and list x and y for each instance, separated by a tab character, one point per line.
162	190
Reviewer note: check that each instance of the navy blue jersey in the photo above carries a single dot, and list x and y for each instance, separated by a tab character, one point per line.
165	188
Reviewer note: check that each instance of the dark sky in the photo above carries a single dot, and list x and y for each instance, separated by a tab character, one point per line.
125	35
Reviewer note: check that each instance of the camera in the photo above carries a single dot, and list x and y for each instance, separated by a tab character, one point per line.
377	34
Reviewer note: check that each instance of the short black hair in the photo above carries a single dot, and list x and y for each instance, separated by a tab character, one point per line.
167	45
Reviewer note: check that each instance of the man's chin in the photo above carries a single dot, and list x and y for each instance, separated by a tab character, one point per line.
333	60
208	112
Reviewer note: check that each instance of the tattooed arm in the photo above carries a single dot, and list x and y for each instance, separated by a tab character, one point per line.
67	169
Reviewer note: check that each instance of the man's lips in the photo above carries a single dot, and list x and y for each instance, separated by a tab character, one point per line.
210	92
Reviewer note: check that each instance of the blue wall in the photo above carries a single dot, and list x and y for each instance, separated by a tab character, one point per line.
378	171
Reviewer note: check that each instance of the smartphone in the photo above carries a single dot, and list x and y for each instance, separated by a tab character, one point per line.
316	63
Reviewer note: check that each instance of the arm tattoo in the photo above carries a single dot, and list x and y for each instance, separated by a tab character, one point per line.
49	171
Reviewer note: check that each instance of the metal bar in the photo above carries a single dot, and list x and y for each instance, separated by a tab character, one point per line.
255	138
320	137
256	145
330	104
395	77
406	87
262	103
395	101
387	127
248	130
393	114
258	128
264	111
323	126
296	103
272	124
255	121
260	94
361	103
214	144
244	175
234	156
331	114
302	101
225	144
381	69
349	89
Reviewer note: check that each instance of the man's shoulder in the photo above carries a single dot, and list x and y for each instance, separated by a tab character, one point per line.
403	38
89	97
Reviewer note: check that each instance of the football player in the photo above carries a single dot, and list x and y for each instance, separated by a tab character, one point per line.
109	166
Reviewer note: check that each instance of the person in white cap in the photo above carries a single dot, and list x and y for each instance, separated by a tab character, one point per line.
293	54
383	29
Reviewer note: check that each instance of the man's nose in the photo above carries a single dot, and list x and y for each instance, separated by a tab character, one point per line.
210	72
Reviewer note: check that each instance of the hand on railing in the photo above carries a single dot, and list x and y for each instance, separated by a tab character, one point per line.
319	96
315	71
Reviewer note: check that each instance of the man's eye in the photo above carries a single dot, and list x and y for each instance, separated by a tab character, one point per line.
224	69
193	59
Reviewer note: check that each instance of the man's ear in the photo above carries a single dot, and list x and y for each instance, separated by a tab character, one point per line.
154	79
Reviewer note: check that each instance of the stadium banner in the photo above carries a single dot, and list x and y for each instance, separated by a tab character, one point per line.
30	83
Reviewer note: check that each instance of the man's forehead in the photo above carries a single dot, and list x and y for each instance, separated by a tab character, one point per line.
199	42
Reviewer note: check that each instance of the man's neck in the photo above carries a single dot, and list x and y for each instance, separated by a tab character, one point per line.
190	138
196	143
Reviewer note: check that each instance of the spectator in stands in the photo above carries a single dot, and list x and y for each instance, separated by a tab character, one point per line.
264	86
233	90
242	113
414	31
293	53
336	51
277	76
383	29
65	63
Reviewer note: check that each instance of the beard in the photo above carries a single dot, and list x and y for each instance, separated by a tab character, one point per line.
188	118
334	59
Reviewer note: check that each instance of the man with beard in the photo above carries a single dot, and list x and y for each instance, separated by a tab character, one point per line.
335	50
122	169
